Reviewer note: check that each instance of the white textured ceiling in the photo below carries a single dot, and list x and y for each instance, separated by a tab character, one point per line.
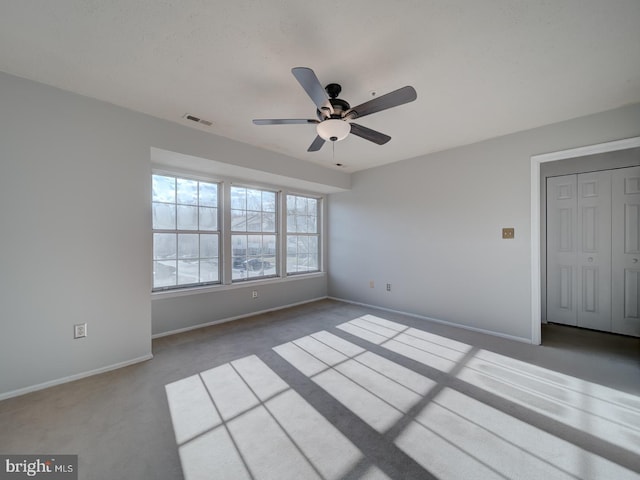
482	68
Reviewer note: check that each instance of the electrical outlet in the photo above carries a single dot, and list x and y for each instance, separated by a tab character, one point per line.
254	294
388	287
80	330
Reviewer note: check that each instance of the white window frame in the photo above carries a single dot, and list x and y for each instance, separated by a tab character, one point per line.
224	228
178	231
277	233
318	234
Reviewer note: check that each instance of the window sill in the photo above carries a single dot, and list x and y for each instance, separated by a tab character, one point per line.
181	292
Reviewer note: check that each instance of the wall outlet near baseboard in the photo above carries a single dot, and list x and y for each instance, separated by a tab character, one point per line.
80	330
388	287
254	294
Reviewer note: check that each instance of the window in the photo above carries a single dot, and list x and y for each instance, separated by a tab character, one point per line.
214	232
303	234
253	233
186	236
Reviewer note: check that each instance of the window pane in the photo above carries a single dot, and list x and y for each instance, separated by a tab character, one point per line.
254	245
188	272
303	245
269	201
312	224
239	246
313	262
301	224
238	198
254	222
164	273
292	245
163	189
164	216
312	206
209	271
269	244
239	252
187	217
238	221
208	194
187	191
208	218
301	205
208	246
313	245
164	246
187	246
254	199
268	222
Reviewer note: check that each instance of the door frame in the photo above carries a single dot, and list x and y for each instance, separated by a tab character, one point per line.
536	241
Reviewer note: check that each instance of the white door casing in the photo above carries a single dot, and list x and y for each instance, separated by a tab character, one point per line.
536	161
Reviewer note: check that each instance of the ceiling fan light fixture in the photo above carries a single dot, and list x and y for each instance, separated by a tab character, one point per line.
333	129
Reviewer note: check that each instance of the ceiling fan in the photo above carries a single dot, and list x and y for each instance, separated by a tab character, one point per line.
335	116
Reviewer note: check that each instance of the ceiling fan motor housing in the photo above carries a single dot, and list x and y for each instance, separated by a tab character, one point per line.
340	108
333	126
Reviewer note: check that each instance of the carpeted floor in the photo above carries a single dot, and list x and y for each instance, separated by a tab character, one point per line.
332	390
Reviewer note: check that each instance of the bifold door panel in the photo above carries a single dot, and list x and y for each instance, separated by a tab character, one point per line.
626	251
594	251
562	207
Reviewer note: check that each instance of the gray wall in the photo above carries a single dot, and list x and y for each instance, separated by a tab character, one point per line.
182	312
431	226
75	232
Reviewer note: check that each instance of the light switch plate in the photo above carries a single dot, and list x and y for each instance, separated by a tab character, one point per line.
508	233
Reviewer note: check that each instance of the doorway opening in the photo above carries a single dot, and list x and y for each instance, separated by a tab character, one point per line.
537	204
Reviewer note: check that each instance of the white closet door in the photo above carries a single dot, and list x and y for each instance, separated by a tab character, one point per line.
561	249
593	259
626	251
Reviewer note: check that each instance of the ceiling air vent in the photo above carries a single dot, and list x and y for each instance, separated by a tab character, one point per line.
193	118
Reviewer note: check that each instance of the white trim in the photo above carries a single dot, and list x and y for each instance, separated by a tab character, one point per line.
72	378
536	265
230	319
436	320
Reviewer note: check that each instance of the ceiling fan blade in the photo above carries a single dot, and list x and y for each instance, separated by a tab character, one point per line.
393	99
282	121
316	144
368	134
309	81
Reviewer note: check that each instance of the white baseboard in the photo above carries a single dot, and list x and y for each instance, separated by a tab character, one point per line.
71	378
436	320
230	319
